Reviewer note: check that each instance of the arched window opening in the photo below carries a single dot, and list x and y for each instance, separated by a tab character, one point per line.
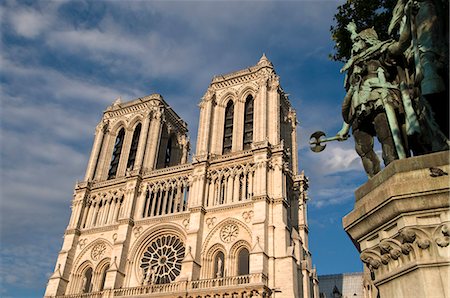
146	210
168	153
228	128
219	264
116	154
87	278
241	186
134	147
102	281
119	209
243	262
248	122
222	190
185	198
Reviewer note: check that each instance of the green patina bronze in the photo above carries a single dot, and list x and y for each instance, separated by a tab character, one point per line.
395	88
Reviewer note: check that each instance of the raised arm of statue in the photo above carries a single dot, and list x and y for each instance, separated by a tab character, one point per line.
402	15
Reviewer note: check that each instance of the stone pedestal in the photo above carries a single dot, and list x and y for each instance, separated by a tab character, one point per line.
400	225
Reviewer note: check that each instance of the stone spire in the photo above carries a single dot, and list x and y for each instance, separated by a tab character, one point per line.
264	61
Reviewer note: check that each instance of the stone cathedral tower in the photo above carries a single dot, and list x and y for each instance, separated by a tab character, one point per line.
146	223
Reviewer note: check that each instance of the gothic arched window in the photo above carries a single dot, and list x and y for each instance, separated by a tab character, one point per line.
248	122
219	264
134	147
116	154
168	153
102	281
243	262
228	127
87	278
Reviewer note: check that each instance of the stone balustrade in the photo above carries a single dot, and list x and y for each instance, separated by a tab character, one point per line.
182	287
99	294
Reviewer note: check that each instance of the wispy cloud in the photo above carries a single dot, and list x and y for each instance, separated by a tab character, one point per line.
28	23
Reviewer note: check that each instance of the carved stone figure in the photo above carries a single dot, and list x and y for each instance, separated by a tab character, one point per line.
83	285
382	99
219	268
149	278
424	28
397	90
371	101
423	44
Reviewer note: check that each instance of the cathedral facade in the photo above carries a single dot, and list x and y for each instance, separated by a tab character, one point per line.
232	223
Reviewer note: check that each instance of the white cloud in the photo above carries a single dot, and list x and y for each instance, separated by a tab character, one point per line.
29	23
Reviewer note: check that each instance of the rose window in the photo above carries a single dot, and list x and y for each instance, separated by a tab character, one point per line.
163	259
229	233
98	251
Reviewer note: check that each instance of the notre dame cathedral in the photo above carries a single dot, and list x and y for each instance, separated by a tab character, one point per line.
232	223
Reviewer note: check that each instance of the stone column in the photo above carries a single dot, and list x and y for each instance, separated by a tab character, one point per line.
236	178
211	194
94	158
273	111
185	149
229	189
218	126
153	140
140	208
260	109
294	153
142	142
105	156
79	206
204	127
121	169
191	263
112	210
238	126
95	214
115	274
89	215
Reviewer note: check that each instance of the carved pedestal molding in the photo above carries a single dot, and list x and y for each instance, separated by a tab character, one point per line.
400	224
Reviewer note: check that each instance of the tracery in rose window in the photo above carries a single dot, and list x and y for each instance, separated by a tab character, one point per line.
161	262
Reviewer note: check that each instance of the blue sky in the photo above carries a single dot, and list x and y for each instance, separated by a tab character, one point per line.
62	63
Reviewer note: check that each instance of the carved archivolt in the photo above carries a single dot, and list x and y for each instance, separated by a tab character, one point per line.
102	248
248	89
224	98
95	255
244	232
